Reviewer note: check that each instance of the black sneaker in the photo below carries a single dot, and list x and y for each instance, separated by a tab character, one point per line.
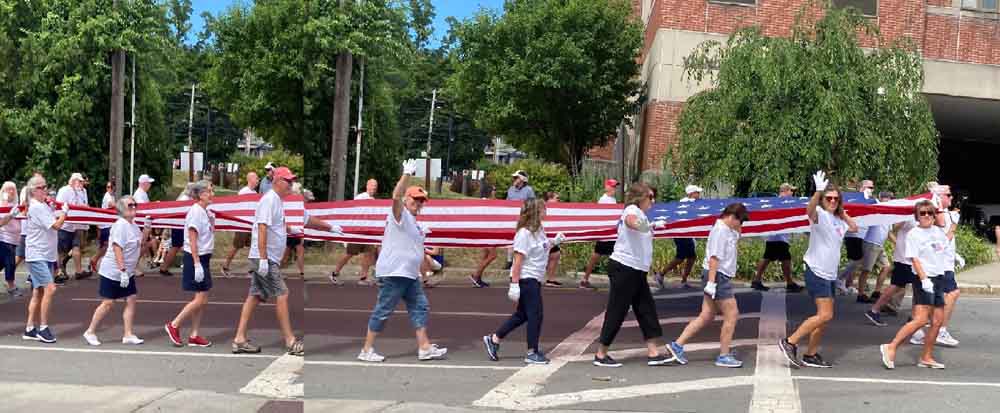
84	275
815	360
889	311
606	361
863	299
759	286
31	334
876	295
45	335
875	318
477	282
791	352
553	283
793	288
660	360
60	278
492	349
166	273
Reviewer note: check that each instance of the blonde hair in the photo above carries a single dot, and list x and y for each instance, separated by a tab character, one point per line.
637	192
10	185
531	215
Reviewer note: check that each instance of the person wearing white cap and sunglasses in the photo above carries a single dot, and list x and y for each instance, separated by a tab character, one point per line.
71	235
141	194
268	181
686	253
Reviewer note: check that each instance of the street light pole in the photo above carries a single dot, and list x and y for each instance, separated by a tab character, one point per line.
131	173
190	138
430	130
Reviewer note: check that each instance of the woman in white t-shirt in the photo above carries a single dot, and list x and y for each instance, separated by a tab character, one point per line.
531	256
719	268
10	234
199	241
828	224
117	272
627	269
104	230
927	249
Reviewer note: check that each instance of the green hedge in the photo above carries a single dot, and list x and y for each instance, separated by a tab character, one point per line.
279	157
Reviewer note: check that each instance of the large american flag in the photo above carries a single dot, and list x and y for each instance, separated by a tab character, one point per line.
482	223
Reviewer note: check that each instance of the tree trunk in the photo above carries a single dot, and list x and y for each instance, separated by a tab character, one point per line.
341	119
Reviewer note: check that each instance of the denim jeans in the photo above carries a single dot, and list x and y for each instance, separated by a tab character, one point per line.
7	256
529	310
399	288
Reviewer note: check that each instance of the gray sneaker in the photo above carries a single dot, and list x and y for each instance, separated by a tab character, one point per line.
245	347
432	353
535	357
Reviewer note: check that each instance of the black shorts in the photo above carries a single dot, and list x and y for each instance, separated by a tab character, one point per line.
855	248
777	251
902	274
112	290
948	281
68	241
292	242
176	238
604	247
685	248
104	236
935	299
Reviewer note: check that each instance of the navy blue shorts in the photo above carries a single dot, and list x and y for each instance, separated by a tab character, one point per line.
176	238
68	241
948	282
112	290
902	275
292	242
935	299
187	280
604	247
685	248
819	287
855	248
104	235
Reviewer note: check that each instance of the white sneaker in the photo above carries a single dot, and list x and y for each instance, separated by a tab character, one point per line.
433	353
132	340
945	339
370	356
91	339
918	338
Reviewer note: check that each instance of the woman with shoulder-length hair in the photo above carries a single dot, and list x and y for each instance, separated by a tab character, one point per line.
117	271
199	241
531	256
627	271
927	248
828	224
10	235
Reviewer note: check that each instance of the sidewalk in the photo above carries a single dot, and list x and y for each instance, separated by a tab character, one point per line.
984	277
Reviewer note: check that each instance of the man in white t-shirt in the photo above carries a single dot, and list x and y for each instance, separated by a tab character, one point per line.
601	248
398	269
71	235
41	255
367	252
267	246
241	239
778	248
141	196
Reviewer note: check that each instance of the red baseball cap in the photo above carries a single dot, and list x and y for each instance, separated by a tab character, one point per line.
416	192
284	173
611	182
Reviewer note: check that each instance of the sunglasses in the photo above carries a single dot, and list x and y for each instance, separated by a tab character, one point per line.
130	205
926	213
832	198
44	187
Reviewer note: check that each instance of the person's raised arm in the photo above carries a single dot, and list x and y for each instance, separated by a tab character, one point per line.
409	169
819	179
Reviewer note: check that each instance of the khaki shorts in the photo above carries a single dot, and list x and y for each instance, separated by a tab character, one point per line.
241	240
874	254
355	249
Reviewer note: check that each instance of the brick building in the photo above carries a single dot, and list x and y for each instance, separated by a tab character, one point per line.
958	39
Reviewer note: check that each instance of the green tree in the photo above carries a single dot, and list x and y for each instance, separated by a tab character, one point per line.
782	108
553	77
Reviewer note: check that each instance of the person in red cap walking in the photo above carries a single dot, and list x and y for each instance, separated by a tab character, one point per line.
268	238
601	248
398	269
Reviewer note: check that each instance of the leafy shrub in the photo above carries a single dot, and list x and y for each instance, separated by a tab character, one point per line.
542	177
279	157
975	249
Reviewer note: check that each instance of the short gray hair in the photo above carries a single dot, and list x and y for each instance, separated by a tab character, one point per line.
122	205
195	189
34	183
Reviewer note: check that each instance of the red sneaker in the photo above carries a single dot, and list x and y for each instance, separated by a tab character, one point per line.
175	334
198	341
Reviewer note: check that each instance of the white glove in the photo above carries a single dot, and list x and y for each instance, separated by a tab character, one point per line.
65	208
559	239
960	261
148	223
295	230
955	216
424	229
199	273
710	289
262	266
936	201
514	293
820	180
927	285
410	167
659	224
337	229
124	276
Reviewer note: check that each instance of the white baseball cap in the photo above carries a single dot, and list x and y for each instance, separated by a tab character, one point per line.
690	189
145	179
521	174
269	166
76	177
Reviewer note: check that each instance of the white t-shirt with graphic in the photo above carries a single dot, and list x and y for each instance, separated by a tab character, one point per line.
633	248
402	247
826	235
722	245
128	236
930	246
204	223
270	212
535	248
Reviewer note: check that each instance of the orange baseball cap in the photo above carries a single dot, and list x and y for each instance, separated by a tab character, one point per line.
416	192
284	173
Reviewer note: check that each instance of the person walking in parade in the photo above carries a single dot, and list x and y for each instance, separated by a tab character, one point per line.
198	243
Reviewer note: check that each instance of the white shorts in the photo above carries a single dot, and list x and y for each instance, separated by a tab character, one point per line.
873	254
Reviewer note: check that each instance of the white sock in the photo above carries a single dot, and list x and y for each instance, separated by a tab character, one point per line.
28	329
42	327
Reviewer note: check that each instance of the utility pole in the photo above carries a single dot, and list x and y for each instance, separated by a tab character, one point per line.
131	163
117	118
190	138
430	130
341	121
357	148
451	138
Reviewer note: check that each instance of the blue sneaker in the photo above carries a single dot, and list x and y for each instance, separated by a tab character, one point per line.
535	357
31	335
492	349
728	360
45	335
677	351
875	318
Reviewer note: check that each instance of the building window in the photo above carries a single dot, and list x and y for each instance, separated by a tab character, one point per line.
982	5
743	2
866	7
